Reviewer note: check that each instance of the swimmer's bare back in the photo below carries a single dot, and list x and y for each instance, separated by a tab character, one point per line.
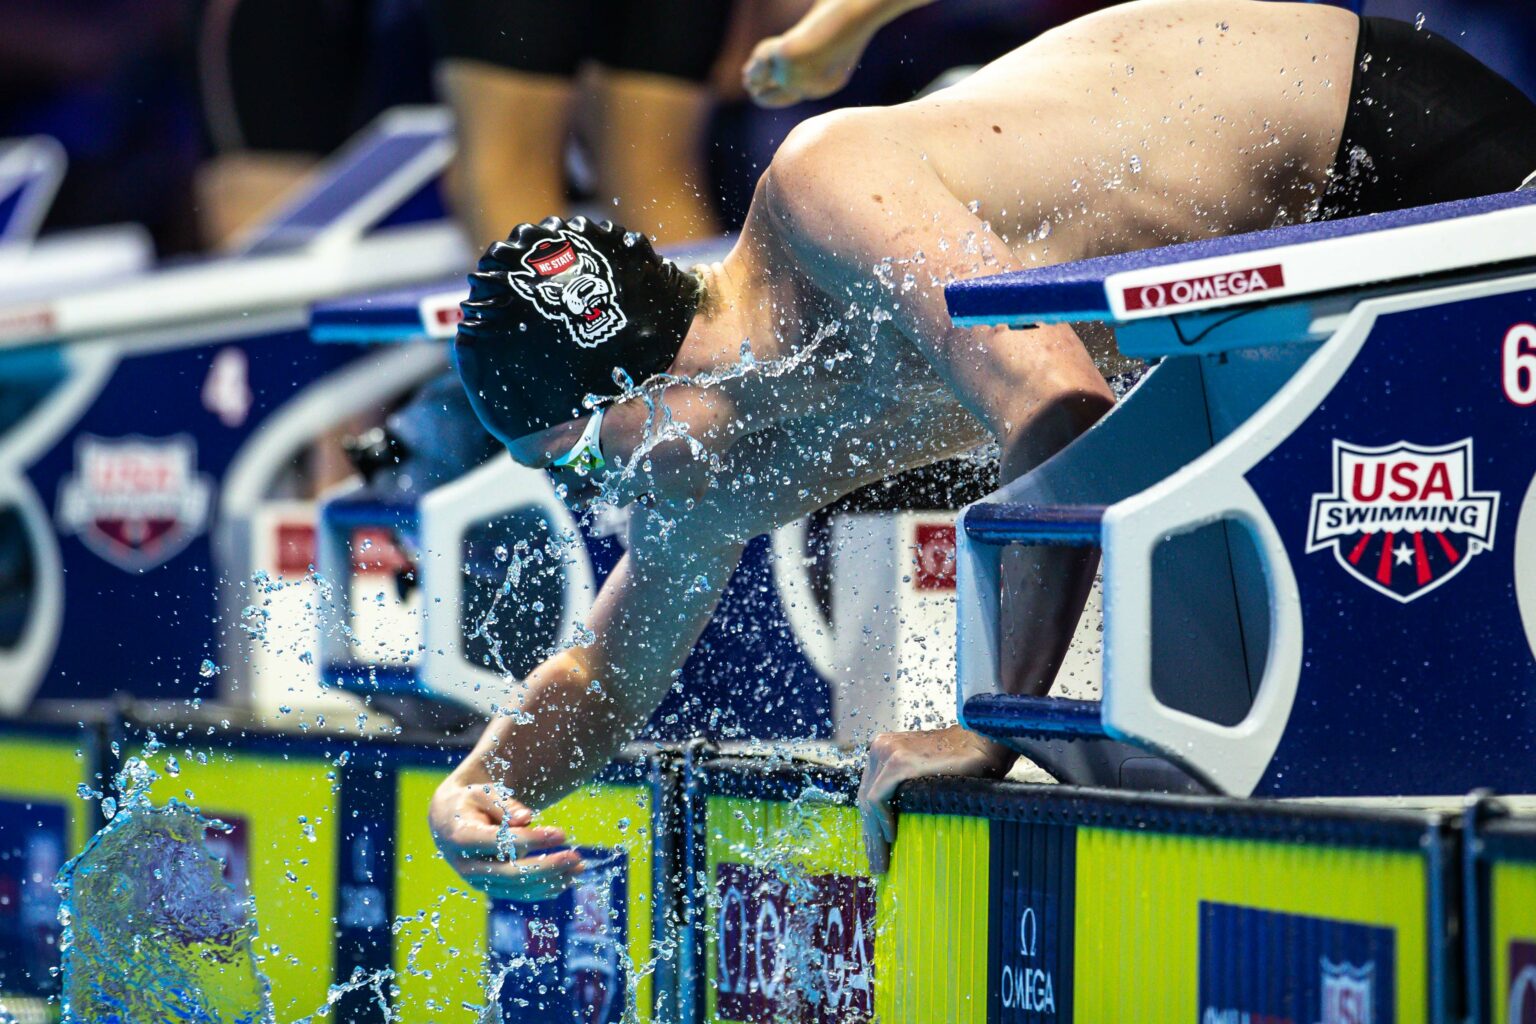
1143	124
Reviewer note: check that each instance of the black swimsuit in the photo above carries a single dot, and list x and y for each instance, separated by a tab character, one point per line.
675	38
1427	123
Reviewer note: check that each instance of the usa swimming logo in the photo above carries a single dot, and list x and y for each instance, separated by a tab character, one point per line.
1403	518
135	501
1270	967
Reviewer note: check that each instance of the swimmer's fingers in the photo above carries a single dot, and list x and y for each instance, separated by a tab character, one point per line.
480	821
482	841
757	72
881	777
496	805
527	878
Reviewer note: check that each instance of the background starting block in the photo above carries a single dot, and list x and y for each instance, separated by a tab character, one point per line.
1316	511
155	423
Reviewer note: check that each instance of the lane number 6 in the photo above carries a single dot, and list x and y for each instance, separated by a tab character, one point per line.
1520	364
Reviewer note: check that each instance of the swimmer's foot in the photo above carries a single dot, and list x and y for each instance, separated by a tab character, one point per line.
817	56
896	757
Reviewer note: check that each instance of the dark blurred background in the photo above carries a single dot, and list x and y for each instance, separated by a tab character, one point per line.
184	115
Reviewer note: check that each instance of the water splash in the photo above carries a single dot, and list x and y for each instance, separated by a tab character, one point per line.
152	931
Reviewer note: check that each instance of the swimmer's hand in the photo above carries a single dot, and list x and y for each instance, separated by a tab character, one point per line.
895	757
817	56
489	839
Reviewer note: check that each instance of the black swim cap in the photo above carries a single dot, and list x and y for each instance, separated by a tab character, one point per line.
555	309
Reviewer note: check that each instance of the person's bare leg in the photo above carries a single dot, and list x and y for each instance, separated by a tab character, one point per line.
512	130
650	153
236	190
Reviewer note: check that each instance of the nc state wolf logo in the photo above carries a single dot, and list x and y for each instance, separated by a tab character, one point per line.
1403	519
568	281
135	501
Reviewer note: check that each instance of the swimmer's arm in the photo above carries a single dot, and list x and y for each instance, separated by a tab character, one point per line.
583	704
849	193
853	192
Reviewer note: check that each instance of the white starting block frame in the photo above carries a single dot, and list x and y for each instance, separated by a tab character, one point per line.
31	171
1317	511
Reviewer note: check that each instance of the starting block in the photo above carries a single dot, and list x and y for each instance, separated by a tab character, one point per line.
155	423
1316	510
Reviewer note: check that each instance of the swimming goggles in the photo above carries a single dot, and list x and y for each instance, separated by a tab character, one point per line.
586	456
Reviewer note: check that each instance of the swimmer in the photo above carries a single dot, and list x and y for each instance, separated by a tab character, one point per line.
1142	125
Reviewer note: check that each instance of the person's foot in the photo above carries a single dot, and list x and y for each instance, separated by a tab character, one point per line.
813	59
897	757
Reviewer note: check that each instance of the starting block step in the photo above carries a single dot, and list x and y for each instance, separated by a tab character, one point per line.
1059	716
1319	546
1004	523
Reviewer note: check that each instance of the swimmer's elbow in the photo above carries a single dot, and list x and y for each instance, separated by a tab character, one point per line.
677	475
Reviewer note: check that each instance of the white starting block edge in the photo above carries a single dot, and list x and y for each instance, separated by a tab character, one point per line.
31	171
1263	266
446	513
1212	487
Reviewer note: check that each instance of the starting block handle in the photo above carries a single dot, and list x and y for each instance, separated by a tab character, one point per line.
1010	523
1232	758
1057	716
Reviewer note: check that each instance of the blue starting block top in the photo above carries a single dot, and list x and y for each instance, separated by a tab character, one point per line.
1285	263
431	311
383	177
402	314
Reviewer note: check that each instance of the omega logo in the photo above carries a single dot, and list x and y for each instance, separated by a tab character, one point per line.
1025	986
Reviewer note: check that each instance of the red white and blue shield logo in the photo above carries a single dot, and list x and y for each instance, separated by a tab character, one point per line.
135	501
1404	518
1349	993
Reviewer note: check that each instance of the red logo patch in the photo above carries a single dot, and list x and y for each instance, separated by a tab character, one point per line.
1182	292
551	258
935	555
376	552
295	549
